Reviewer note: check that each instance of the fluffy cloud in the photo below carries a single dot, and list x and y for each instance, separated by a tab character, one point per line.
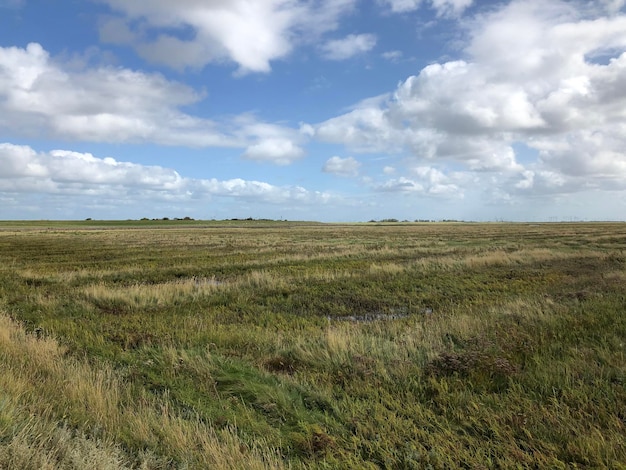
40	97
192	33
83	179
423	180
342	166
276	150
366	128
351	45
460	98
401	184
272	143
550	76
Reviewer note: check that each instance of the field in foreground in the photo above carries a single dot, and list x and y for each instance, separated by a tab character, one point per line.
278	345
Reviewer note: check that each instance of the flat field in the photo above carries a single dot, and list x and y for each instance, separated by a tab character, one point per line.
250	344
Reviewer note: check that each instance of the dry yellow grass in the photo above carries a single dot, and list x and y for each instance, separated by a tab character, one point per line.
519	257
44	391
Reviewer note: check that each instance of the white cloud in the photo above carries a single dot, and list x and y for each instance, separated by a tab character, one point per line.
40	97
84	177
249	33
586	159
459	97
342	166
423	181
351	45
276	150
451	7
270	142
107	104
60	167
436	182
365	129
442	7
307	130
529	76
392	56
402	184
401	6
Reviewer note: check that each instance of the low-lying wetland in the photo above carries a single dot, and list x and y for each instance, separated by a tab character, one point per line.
278	345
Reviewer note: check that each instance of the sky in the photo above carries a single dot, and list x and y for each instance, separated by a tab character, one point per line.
326	110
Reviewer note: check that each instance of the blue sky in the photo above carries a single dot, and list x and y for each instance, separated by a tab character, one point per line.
330	110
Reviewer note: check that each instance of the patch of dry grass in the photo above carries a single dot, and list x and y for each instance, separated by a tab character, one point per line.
46	394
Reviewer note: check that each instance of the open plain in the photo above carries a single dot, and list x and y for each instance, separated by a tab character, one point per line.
260	344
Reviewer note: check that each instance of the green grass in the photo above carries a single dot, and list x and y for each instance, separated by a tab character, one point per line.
241	344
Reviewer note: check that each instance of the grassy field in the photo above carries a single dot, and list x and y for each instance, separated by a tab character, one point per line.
258	344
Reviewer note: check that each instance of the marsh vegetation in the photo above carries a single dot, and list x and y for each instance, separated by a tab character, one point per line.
253	344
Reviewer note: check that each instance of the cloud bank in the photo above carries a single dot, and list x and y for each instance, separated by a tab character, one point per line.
536	106
63	173
40	97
